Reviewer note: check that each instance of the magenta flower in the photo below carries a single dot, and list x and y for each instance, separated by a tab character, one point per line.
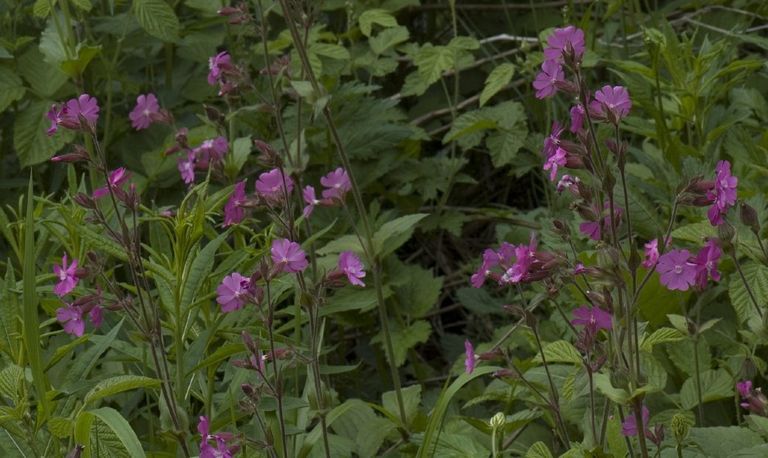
469	358
232	293
116	179
579	269
591	229
186	166
221	450
706	263
651	253
612	103
337	184
547	79
552	142
71	318
752	399
567	40
723	195
97	316
67	276
744	388
218	65
676	271
288	256
233	210
490	260
273	186
310	198
577	118
352	267
524	257
566	182
554	161
594	318
594	229
145	111
211	150
629	425
69	116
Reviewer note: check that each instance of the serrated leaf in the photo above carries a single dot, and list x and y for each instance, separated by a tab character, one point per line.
604	385
679	322
432	61
560	351
387	39
86	425
42	8
421	293
84	5
394	233
30	140
497	79
538	450
11	380
46	79
11	87
715	385
659	336
197	269
411	400
503	146
330	51
682	355
756	276
375	16
119	384
60	427
157	18
403	339
468	129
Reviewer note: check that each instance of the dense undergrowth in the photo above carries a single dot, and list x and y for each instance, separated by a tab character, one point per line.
383	228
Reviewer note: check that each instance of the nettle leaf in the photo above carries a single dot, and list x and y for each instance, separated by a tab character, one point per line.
421	293
725	440
157	18
403	339
388	38
715	384
497	79
468	129
560	351
411	401
393	234
682	355
330	51
375	16
30	140
46	79
756	276
119	384
659	336
432	61
11	87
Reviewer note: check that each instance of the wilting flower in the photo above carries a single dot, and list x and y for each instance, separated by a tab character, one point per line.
676	270
71	318
210	150
67	276
552	142
469	357
221	450
577	118
547	79
218	65
566	182
85	107
752	399
337	184
145	112
554	161
352	267
115	180
524	257
96	315
233	210
612	103
310	198
629	425
723	194
232	293
273	186
706	263
592	317
566	40
288	256
651	253
594	229
186	166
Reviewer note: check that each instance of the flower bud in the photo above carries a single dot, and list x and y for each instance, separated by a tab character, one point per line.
498	421
681	426
84	200
749	218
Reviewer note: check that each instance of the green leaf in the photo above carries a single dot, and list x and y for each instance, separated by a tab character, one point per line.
42	8
538	450
468	129
84	5
60	427
421	293
46	79
503	146
361	424
387	39
715	385
128	440
604	385
11	381
375	16
119	384
411	400
656	301
724	441
103	243
84	362
84	55
432	61
394	233
157	18
679	322
682	355
403	339
659	336
11	87
198	269
757	277
497	79
330	51
560	351
30	140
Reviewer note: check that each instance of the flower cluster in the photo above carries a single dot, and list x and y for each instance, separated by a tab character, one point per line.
71	314
679	270
722	194
565	45
515	264
752	399
337	184
76	114
210	152
221	449
223	73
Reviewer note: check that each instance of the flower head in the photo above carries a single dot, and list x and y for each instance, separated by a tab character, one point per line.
352	267
218	65
592	317
288	256
232	293
233	211
676	270
629	425
524	257
337	184
744	388
221	449
211	150
577	118
67	276
566	40
274	186
186	166
69	116
547	79
723	195
469	357
115	180
554	161
566	182
310	198
706	263
145	112
71	318
96	315
651	253
552	142
612	103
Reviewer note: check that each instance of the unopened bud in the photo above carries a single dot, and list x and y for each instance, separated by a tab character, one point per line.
725	233
84	200
498	421
749	218
213	114
681	426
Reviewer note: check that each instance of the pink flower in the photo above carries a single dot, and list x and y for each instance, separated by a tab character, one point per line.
232	293
469	358
594	318
612	103
352	267
310	198
744	388
116	179
577	118
288	256
554	161
723	195
566	182
186	166
524	257
567	40
274	186
579	269
97	316
676	271
552	142
85	107
233	211
145	111
218	65
629	425
71	318
594	229
651	253
337	184
547	79
211	150
490	260
221	450
67	276
706	263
